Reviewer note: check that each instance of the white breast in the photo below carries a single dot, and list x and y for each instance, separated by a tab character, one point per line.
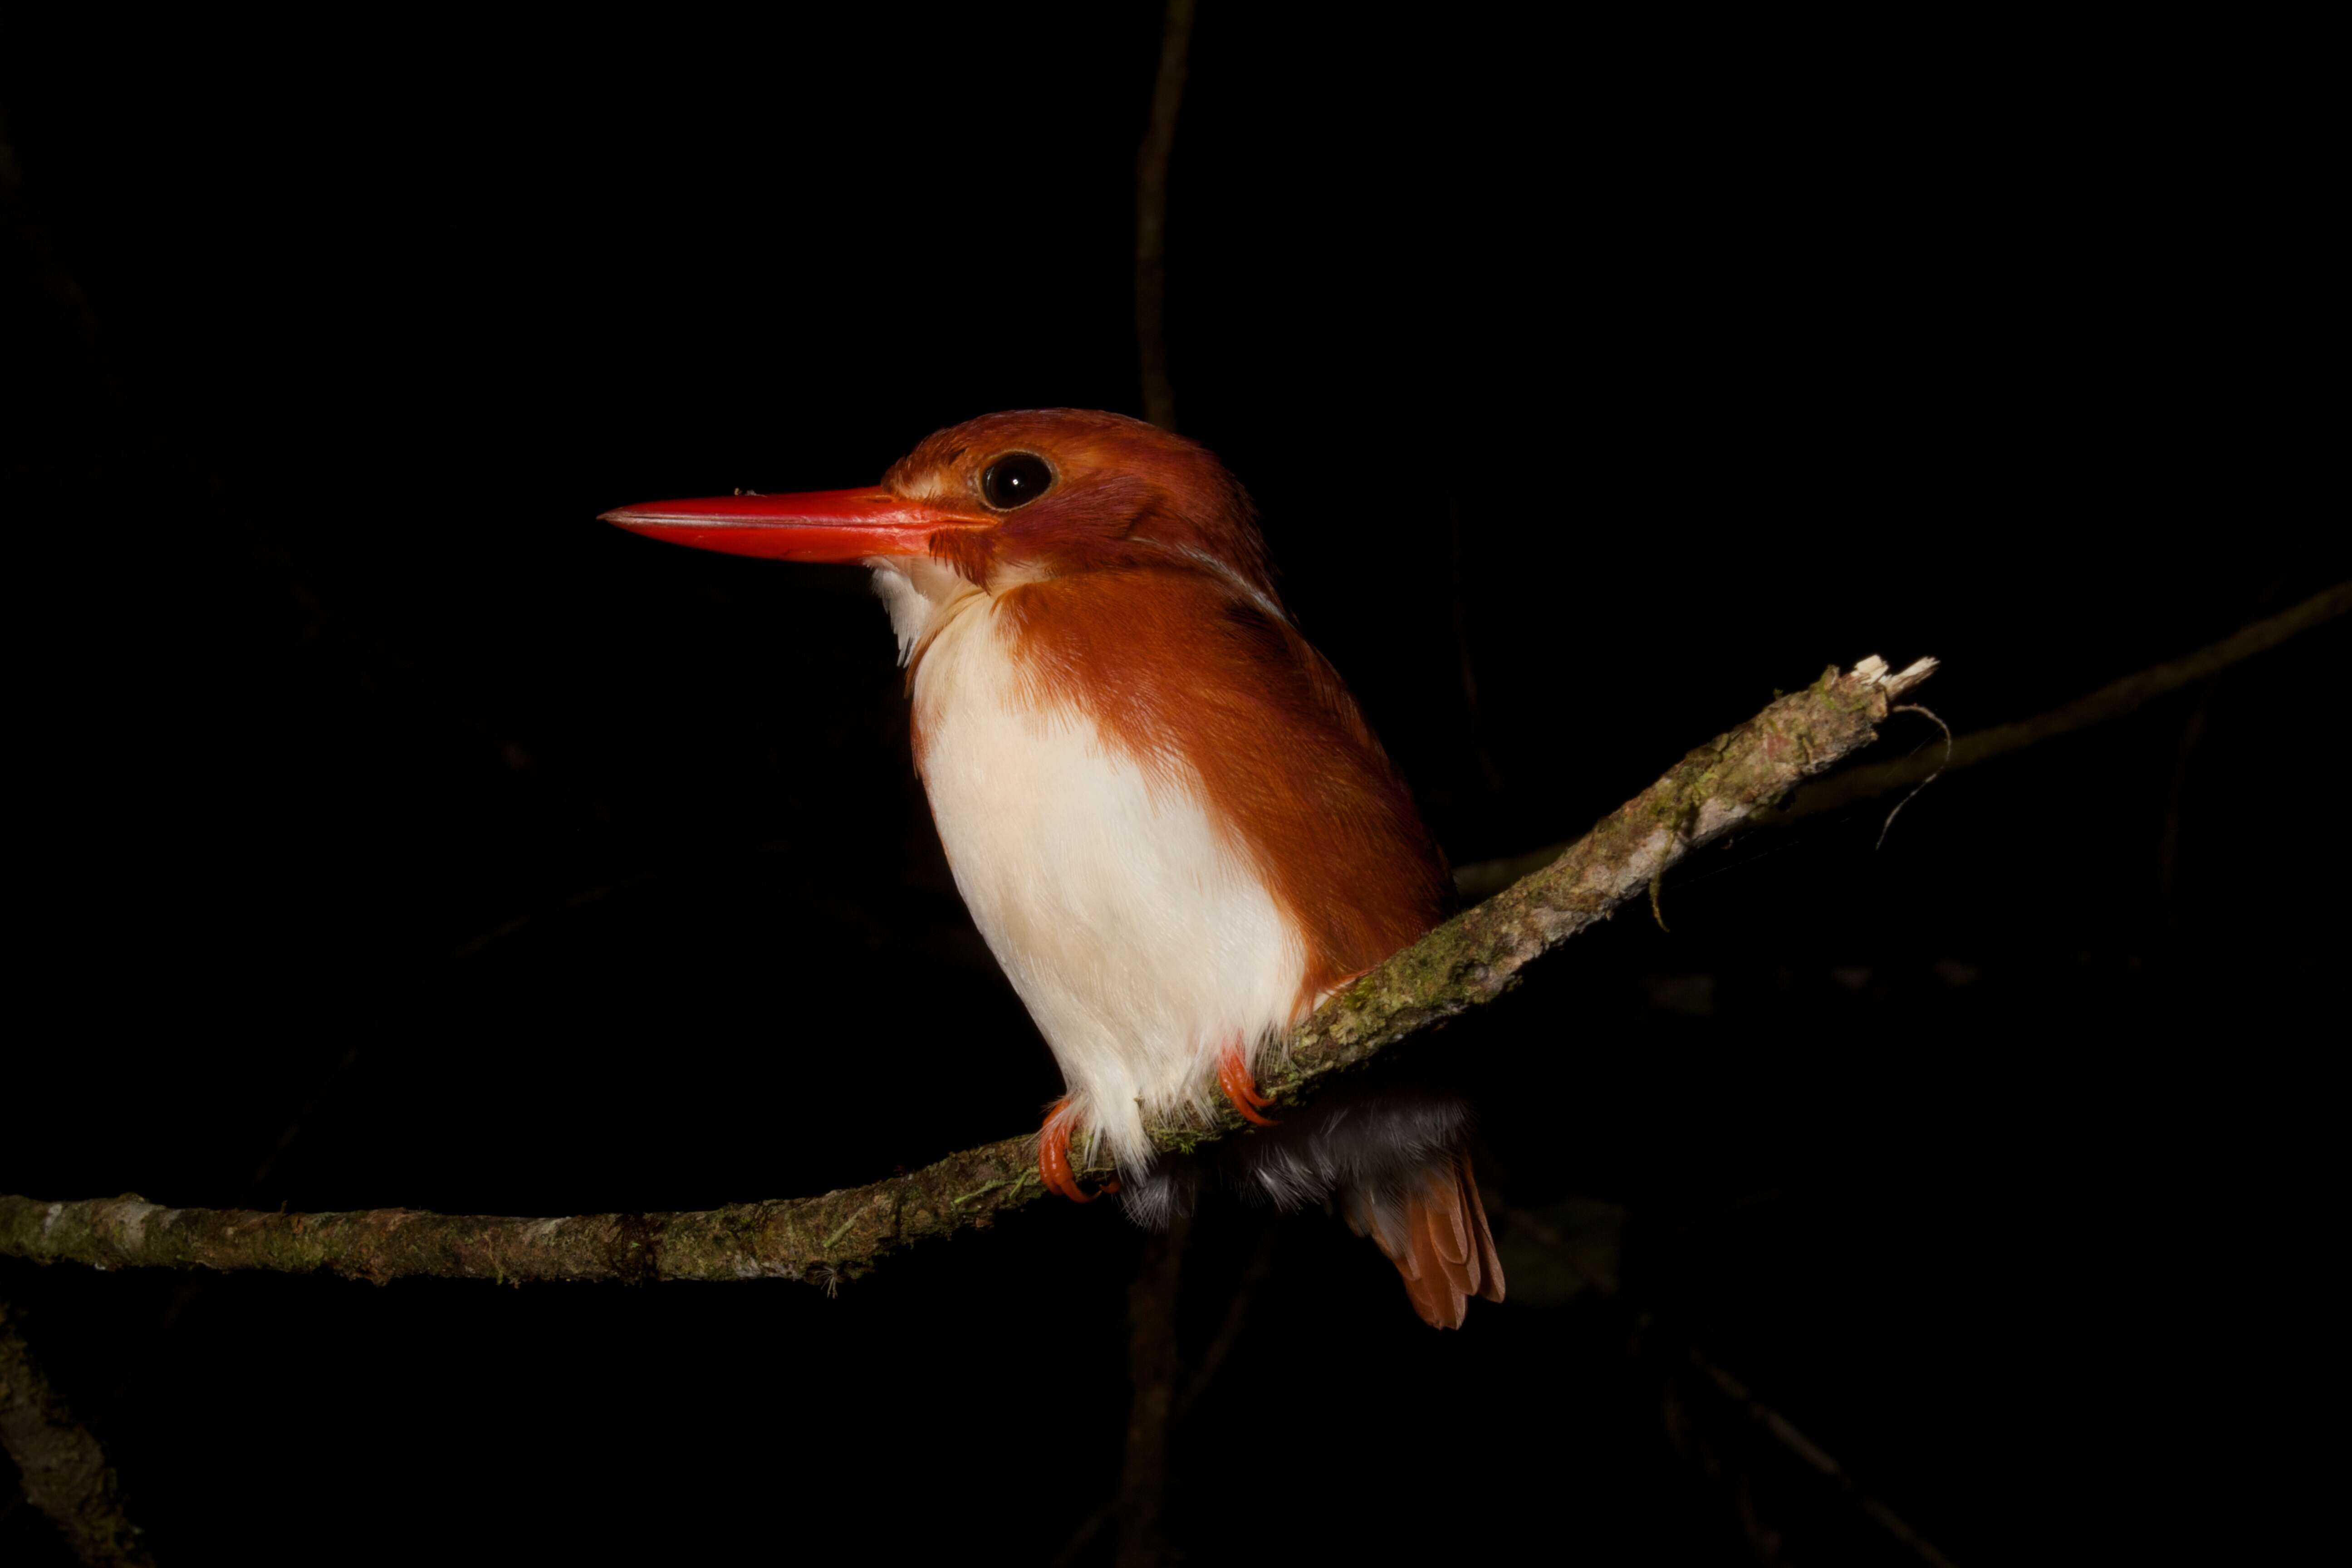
1142	943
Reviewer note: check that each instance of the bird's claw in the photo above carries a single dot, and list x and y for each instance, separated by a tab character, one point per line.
1054	1156
1240	1085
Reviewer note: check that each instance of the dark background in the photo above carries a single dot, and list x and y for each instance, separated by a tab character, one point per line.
389	832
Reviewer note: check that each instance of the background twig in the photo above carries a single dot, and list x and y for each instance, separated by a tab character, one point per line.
1153	1368
2113	701
1151	217
65	1470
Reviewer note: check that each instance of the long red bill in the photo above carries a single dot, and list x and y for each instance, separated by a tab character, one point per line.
814	525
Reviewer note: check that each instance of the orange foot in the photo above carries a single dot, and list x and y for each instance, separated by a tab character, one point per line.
1054	1155
1234	1077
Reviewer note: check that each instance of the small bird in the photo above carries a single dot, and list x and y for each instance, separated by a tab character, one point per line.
1162	805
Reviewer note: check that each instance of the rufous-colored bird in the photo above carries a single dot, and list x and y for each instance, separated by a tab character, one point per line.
1162	805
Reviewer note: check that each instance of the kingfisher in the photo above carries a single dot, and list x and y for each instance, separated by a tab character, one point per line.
1162	805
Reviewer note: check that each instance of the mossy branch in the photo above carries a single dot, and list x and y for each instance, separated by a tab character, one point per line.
1469	961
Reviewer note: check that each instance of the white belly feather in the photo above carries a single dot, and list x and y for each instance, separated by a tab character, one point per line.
1141	942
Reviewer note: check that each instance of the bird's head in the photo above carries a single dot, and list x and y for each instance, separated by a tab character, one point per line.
1022	496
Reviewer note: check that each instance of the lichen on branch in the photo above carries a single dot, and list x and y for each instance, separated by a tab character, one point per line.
1470	959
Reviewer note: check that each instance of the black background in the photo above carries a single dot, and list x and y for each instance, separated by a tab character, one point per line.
1636	373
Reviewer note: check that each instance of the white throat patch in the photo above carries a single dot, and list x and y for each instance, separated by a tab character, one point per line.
921	594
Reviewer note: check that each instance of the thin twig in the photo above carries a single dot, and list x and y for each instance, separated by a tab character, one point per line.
2176	796
65	1471
1779	1427
1151	216
2113	701
1151	1348
1932	717
1213	1360
1153	1365
1784	1432
1467	963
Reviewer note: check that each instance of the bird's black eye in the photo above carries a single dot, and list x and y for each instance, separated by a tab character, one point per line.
1015	479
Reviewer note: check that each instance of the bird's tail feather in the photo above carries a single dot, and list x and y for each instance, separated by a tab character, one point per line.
1435	1233
1394	1159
